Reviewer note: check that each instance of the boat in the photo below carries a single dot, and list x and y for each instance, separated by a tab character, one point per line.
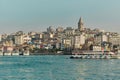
1	53
7	54
26	53
15	54
95	55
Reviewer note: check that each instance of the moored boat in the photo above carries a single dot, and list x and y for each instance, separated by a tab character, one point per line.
1	54
15	54
7	54
26	53
109	55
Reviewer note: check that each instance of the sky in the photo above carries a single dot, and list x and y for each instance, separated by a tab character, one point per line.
38	15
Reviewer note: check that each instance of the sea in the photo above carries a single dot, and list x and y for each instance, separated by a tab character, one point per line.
57	67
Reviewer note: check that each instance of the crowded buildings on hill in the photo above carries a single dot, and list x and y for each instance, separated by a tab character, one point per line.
61	39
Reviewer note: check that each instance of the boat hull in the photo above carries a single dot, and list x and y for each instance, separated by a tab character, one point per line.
26	54
94	57
7	54
16	54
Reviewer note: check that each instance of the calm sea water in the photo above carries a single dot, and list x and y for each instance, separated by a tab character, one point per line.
54	67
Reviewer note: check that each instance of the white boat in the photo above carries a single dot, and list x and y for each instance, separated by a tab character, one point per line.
1	53
99	55
26	53
7	54
15	54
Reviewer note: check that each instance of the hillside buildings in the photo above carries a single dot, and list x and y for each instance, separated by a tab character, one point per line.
68	39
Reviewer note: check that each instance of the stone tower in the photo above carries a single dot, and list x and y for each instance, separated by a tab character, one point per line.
80	25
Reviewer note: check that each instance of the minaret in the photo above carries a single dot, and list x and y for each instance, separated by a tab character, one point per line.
80	25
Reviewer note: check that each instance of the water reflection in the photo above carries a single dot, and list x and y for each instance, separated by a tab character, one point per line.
97	69
58	68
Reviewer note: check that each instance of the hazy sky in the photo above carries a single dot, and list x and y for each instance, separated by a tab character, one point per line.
37	15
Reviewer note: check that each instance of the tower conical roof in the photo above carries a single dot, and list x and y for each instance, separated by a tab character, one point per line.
80	24
80	20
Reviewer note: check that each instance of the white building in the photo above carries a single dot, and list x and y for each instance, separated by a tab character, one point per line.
69	31
59	29
96	48
26	38
67	43
19	39
114	39
78	41
101	38
51	35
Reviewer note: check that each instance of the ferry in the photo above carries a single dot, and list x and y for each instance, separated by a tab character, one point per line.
95	55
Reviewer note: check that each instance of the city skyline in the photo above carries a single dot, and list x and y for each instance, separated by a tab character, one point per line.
38	15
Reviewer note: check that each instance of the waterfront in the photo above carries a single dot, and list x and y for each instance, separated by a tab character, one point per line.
57	67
